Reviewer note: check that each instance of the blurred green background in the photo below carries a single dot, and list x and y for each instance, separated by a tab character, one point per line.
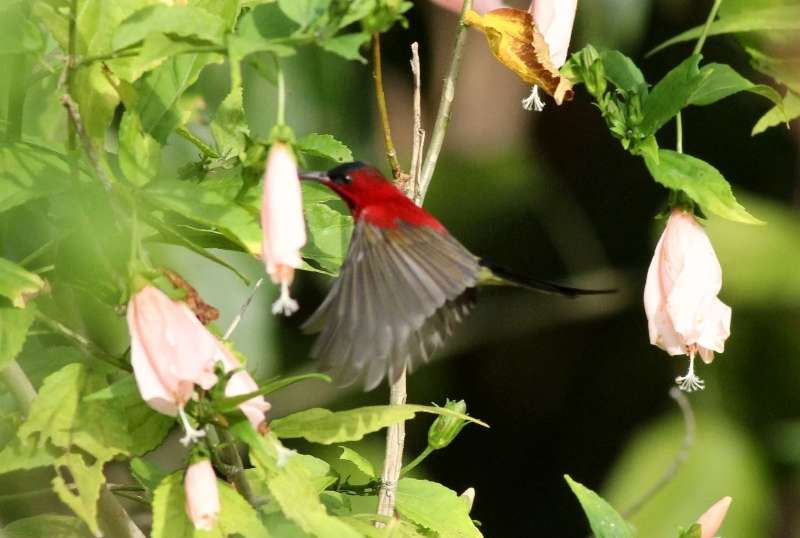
567	386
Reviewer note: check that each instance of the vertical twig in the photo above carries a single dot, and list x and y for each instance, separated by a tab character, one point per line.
383	111
445	103
77	126
242	310
680	457
72	33
419	132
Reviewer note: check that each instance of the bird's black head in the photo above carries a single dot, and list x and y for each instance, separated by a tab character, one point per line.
343	173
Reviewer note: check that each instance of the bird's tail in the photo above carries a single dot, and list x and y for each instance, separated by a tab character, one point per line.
494	275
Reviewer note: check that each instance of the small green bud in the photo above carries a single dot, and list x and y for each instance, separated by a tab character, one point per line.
596	79
445	428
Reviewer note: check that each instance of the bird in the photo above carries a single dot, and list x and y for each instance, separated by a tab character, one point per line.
404	284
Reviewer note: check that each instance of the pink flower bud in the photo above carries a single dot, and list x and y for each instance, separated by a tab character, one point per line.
242	382
481	6
712	519
282	222
684	315
554	20
171	351
202	495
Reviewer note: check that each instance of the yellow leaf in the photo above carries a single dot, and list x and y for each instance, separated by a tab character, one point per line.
517	44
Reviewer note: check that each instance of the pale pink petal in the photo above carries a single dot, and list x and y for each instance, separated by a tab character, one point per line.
282	221
714	330
202	495
712	519
659	325
481	6
242	382
171	350
554	20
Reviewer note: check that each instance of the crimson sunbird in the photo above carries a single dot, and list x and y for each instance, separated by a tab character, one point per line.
404	284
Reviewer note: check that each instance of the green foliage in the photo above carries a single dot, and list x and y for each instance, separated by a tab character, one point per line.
435	508
603	519
692	532
672	94
361	463
325	146
723	81
50	525
236	517
14	325
701	181
328	427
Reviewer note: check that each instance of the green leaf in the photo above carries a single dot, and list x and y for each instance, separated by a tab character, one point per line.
19	34
329	233
621	70
770	19
229	404
262	29
361	463
723	81
434	507
49	525
291	485
325	146
779	115
603	519
86	480
139	153
14	325
28	172
212	203
327	427
17	284
672	94
24	455
230	126
236	516
148	474
785	70
695	531
304	12
159	93
184	21
348	46
701	182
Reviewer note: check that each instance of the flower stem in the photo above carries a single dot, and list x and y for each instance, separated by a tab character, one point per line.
416	461
445	104
383	111
232	458
84	343
680	457
679	133
281	81
711	16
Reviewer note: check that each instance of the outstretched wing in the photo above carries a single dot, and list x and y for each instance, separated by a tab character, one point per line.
398	295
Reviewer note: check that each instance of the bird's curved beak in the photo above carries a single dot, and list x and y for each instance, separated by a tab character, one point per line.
314	176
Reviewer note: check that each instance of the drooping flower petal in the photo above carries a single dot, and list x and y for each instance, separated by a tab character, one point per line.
282	222
240	383
481	6
712	519
171	351
202	495
684	315
554	20
518	44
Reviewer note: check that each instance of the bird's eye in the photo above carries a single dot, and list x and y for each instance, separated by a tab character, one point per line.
341	179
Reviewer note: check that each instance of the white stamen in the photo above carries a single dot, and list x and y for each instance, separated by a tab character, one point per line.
533	101
285	304
192	435
690	382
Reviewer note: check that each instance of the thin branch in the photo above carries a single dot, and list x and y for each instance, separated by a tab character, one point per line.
680	457
711	16
232	458
88	347
445	103
69	66
20	387
391	153
242	310
204	148
75	117
419	132
393	461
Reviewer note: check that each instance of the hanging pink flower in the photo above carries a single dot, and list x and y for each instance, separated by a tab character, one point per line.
712	519
282	223
481	6
553	20
240	383
202	495
171	352
684	315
